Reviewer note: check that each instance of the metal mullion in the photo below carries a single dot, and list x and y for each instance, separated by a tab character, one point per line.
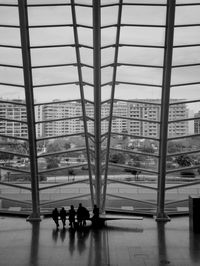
176	201
169	34
61	136
73	10
184	185
56	84
15	200
14	121
184	137
11	66
137	101
182	153
184	102
131	184
138	65
143	25
60	152
14	185
58	65
62	168
15	169
182	169
183	120
9	26
185	84
139	84
127	198
9	46
28	85
57	102
136	119
135	152
142	46
14	153
64	199
135	136
133	167
186	65
97	97
12	137
11	85
59	119
186	45
64	184
50	26
51	46
189	4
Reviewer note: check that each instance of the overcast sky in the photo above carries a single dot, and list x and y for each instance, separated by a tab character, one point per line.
130	35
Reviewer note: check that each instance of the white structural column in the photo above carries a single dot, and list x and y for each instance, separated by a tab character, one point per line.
97	97
23	18
169	35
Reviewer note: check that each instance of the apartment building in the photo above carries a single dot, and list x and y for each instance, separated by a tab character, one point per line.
137	118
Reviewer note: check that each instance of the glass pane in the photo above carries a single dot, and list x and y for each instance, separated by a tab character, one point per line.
145	56
51	36
84	16
145	15
9	16
142	36
53	56
140	75
53	15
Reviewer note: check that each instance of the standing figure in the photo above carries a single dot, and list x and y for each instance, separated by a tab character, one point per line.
63	215
82	215
95	218
72	214
55	216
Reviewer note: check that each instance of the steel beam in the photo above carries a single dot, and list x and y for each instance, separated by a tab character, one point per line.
78	57
112	101
169	35
97	97
28	85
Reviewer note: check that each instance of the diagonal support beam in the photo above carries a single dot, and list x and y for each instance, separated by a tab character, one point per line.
112	101
82	96
97	97
169	36
28	84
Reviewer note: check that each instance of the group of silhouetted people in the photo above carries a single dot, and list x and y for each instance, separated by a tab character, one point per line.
76	218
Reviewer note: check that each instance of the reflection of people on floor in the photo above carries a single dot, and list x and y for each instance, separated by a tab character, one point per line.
55	234
82	215
71	241
63	234
82	236
55	216
63	215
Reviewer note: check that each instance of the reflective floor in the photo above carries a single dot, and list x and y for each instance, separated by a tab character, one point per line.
119	243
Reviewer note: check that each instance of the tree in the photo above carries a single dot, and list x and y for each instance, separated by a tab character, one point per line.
6	156
184	161
117	158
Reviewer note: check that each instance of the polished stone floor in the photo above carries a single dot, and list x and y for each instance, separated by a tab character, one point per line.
119	243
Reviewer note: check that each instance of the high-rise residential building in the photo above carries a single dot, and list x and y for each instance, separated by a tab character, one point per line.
197	123
131	117
12	117
145	111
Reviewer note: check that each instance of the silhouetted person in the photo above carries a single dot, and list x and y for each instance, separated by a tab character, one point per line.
63	215
55	216
82	215
72	214
95	217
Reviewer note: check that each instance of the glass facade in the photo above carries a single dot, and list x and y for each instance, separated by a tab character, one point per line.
99	103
